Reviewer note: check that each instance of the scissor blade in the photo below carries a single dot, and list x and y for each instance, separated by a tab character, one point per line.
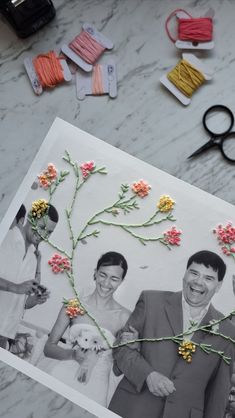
204	147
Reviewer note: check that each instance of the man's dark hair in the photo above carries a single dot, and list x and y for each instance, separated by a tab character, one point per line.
52	213
21	213
209	259
113	259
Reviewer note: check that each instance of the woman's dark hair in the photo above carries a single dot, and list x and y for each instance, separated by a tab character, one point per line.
52	213
113	259
209	259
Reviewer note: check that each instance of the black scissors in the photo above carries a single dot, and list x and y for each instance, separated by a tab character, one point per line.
217	139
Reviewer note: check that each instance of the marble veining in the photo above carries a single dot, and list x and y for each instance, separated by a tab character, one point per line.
21	396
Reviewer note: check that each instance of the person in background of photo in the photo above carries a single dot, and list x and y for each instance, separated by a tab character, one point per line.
85	364
20	272
156	378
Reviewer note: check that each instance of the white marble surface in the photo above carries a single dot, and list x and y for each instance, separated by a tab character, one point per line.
22	397
144	120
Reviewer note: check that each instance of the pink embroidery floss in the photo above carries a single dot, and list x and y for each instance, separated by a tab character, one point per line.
97	80
87	47
192	29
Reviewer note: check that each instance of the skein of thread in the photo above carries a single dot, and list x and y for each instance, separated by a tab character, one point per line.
97	80
192	29
186	77
198	29
48	69
86	47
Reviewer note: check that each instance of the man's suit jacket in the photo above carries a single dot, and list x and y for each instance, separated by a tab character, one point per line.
202	387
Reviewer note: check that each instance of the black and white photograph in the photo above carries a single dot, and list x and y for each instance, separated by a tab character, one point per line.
115	280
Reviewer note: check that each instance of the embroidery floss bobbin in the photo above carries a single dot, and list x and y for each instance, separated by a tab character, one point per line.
86	48
193	33
188	75
46	71
102	80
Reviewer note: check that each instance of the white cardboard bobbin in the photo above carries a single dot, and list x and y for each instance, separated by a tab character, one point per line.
109	79
199	65
98	36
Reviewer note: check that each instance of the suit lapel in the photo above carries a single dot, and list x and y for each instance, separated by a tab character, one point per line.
174	313
210	315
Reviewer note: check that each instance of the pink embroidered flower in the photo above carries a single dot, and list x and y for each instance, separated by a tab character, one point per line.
48	176
226	238
141	188
59	264
172	236
87	168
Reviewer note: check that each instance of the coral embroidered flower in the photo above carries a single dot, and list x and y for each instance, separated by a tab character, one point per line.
226	238
141	188
73	308
59	264
39	208
48	176
186	349
166	203
87	168
172	236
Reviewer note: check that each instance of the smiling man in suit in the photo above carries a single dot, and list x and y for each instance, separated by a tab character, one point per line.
157	382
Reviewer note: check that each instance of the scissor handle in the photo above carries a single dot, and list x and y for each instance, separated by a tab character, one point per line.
221	108
224	138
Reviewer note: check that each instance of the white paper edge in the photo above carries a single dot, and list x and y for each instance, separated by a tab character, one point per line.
57	386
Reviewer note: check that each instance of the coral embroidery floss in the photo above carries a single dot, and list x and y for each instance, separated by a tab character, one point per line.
49	69
186	77
199	30
191	32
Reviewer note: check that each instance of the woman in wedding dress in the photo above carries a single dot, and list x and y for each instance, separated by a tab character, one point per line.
86	359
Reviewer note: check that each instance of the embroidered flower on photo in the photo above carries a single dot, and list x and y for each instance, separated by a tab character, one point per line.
226	238
73	307
87	168
166	203
141	188
186	350
59	264
172	236
48	176
39	208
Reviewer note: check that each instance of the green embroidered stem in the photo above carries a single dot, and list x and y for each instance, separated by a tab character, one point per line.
219	335
55	246
72	283
178	339
45	239
139	225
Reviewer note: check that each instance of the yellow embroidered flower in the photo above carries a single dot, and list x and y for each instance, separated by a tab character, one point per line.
186	349
39	208
166	203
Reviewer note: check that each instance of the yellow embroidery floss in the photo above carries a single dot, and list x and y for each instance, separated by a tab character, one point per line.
186	77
